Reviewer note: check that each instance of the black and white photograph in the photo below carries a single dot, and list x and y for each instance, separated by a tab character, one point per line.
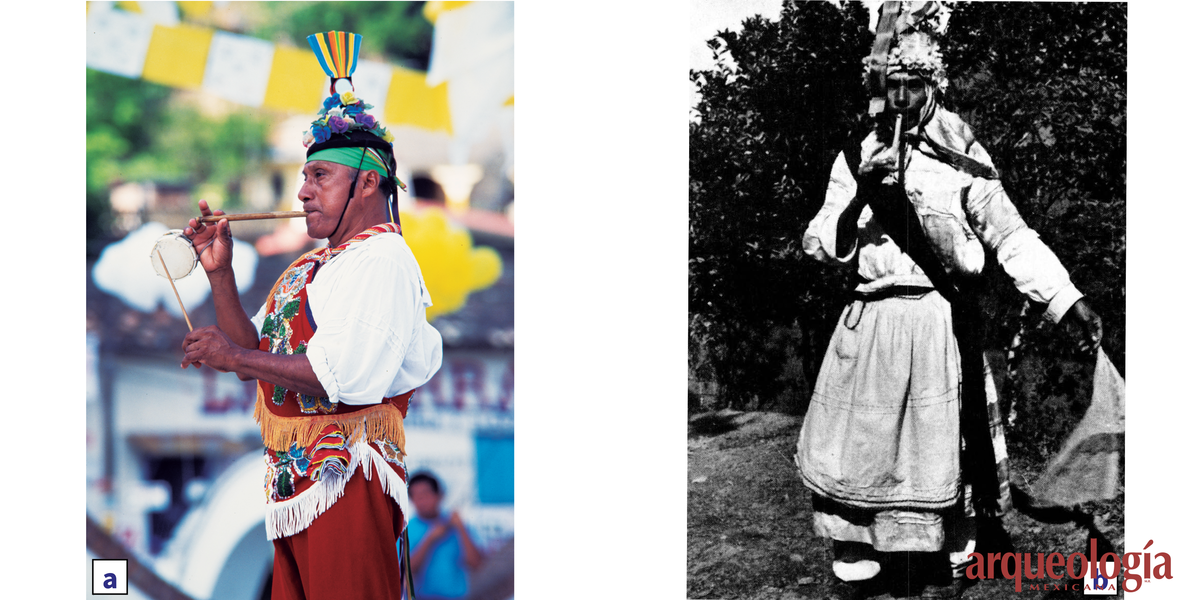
906	299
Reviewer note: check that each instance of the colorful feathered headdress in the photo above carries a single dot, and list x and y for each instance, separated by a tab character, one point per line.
343	121
342	112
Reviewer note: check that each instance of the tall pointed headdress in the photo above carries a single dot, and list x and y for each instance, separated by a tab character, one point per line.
337	51
906	35
343	121
905	40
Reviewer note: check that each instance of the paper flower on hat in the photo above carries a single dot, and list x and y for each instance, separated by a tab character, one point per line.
916	53
337	118
338	124
320	132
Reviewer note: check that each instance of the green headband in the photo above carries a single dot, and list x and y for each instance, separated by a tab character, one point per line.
353	157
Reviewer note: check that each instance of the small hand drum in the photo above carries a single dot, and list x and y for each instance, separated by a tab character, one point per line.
177	252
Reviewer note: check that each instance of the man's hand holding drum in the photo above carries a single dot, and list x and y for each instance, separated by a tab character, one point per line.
215	244
215	241
232	344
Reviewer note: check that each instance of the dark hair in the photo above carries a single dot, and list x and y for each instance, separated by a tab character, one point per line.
389	183
427	477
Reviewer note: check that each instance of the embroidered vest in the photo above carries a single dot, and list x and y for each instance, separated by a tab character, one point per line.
308	437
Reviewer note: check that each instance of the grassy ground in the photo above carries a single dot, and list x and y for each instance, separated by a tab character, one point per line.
750	519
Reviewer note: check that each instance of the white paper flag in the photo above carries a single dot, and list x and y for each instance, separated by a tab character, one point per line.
238	68
117	42
371	82
473	49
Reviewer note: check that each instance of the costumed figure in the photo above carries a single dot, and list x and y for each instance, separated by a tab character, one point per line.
338	349
903	444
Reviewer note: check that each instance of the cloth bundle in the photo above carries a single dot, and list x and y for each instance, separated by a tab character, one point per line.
1087	466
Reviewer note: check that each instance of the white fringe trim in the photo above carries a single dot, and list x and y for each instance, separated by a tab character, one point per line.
291	516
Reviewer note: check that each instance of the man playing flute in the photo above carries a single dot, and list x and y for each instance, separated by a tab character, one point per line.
902	443
338	349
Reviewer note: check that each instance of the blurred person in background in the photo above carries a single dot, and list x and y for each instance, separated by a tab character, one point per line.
443	553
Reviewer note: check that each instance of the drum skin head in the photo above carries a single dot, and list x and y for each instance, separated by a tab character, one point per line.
177	251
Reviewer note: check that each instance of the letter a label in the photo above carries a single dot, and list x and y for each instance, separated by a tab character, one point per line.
110	577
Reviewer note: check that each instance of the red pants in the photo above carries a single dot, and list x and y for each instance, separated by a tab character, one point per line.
349	551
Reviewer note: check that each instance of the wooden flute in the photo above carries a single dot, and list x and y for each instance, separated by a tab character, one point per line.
254	216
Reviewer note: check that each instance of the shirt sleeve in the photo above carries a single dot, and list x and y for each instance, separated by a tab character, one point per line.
1035	270
257	320
365	327
820	239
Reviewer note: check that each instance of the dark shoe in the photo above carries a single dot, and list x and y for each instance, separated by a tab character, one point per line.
859	590
914	575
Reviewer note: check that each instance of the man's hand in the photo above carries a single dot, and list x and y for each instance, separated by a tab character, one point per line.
213	241
883	161
210	346
1090	328
879	166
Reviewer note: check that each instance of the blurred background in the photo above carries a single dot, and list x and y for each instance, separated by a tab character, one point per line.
208	100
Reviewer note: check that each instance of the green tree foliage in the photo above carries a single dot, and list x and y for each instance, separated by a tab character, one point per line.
122	116
215	150
1043	87
396	30
141	131
773	113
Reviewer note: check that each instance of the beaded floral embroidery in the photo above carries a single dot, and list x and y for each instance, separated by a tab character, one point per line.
393	455
277	327
326	456
278	324
283	469
329	454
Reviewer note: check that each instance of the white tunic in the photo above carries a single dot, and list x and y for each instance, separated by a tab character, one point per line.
372	340
958	212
